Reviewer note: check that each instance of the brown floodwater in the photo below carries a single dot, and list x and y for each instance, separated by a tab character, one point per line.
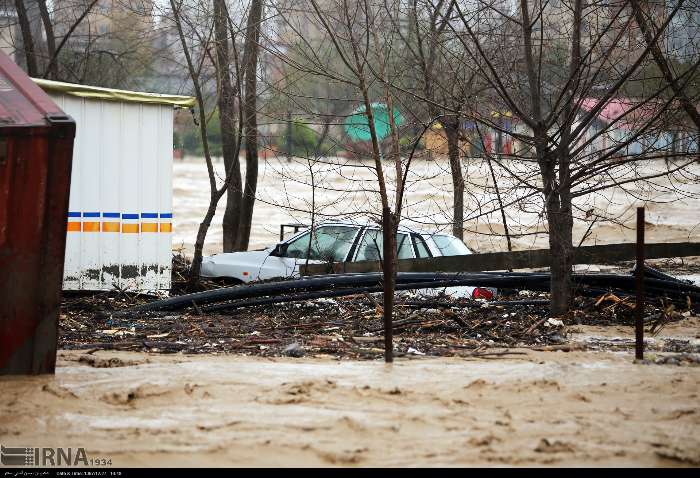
348	189
592	408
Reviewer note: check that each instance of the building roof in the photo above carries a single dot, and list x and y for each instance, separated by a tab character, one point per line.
629	113
96	92
22	103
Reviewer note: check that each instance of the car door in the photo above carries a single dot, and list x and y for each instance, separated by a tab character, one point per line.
371	246
328	243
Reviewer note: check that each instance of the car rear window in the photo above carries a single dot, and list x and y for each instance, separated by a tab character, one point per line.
450	246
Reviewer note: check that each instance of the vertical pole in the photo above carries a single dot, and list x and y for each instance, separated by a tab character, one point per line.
639	309
288	145
389	251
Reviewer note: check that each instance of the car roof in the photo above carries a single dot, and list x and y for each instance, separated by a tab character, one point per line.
402	228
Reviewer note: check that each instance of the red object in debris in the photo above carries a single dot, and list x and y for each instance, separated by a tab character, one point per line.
481	293
36	150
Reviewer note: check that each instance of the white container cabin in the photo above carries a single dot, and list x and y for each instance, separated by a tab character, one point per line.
120	213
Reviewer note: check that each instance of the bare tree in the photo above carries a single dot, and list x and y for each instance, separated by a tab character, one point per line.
215	192
560	85
230	127
250	66
676	82
28	46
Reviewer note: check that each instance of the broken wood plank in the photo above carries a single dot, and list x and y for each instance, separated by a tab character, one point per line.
497	261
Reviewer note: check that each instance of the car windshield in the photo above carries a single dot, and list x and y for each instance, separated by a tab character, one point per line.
450	246
371	246
329	243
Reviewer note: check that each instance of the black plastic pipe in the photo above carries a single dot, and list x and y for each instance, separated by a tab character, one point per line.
337	285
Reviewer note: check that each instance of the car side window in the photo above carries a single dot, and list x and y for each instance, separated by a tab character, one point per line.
421	247
329	243
372	245
298	247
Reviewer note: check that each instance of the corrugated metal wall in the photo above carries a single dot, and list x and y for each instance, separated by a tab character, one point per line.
120	213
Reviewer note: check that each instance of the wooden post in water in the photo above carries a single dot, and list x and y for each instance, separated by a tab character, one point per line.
639	308
389	280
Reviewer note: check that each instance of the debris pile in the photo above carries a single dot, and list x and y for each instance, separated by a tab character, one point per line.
344	327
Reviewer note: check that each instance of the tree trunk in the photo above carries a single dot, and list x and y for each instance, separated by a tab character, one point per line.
500	203
557	197
453	152
389	253
52	72
196	267
227	118
250	65
27	38
561	247
214	193
557	188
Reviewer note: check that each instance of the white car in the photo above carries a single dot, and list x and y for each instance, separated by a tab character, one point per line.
334	242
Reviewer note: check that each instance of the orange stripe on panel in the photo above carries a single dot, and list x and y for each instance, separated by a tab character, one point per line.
149	227
110	227
90	226
73	226
166	227
130	228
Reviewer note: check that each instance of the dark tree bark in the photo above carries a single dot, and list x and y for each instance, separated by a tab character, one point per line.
227	117
557	189
28	46
500	203
560	222
52	64
554	167
52	70
250	65
453	152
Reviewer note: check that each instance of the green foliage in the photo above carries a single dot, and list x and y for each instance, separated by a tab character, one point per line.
192	138
304	141
406	144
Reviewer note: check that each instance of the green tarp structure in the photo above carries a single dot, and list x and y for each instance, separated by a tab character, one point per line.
357	126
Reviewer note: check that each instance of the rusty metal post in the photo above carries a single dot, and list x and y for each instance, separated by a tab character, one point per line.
639	308
389	279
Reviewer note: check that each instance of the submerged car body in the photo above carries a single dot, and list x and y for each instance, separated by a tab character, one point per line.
334	242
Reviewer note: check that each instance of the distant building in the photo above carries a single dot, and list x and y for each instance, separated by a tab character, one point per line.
9	30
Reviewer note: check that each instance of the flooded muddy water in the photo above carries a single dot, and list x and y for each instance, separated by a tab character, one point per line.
538	408
288	192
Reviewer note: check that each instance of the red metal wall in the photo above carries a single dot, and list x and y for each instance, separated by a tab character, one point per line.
34	186
36	150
